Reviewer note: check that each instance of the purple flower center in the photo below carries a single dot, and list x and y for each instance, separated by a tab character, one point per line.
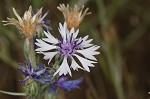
68	47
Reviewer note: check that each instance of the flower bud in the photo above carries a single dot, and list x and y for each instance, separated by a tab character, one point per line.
32	89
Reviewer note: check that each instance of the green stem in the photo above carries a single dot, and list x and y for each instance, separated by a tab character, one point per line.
114	66
32	52
53	69
13	93
119	90
102	15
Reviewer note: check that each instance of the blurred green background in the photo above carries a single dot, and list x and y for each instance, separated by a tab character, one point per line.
120	27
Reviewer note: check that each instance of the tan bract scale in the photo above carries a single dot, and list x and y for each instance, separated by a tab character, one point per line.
28	24
73	16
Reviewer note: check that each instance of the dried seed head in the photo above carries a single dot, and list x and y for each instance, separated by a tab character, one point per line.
29	23
73	16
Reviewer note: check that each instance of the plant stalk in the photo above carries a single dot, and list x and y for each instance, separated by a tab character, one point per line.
32	52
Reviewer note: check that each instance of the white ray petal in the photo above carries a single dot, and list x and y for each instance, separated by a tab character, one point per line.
79	40
89	41
85	38
86	43
86	63
50	39
72	30
87	55
76	33
49	55
74	64
64	68
89	52
63	30
44	46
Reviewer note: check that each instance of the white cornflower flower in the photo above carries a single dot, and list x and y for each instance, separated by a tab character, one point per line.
29	23
69	46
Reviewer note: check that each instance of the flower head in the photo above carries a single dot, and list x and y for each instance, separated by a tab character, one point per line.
65	84
29	23
73	16
38	74
69	47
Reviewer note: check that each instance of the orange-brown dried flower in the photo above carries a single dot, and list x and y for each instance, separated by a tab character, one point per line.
29	23
73	16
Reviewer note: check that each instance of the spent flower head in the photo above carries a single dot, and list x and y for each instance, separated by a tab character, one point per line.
73	16
29	23
69	47
38	74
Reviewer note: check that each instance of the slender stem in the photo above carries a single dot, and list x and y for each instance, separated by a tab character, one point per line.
54	79
111	56
32	52
119	90
13	93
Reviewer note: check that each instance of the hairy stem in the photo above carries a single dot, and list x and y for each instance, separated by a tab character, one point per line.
32	52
